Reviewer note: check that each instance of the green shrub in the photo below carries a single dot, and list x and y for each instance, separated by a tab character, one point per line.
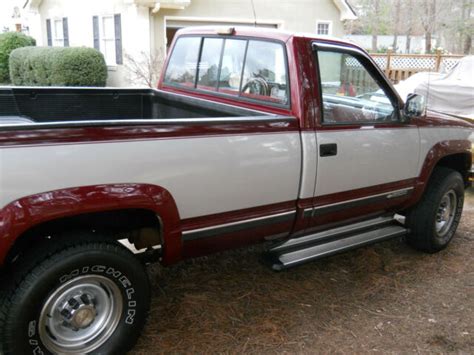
8	42
57	66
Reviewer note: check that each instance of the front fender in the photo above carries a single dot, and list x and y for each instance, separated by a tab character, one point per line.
433	157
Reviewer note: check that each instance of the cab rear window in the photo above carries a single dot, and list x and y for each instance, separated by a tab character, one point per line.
247	68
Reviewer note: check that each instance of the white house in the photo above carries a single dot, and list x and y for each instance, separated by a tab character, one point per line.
123	29
12	18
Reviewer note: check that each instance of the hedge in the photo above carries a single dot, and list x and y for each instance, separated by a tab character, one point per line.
57	66
8	42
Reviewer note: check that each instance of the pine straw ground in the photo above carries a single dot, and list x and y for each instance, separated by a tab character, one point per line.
384	298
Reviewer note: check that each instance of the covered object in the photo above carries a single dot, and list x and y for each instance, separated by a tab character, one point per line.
451	93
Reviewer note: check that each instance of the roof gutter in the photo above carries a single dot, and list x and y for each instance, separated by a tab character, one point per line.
347	12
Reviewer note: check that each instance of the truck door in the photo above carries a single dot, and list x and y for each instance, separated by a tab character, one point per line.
367	153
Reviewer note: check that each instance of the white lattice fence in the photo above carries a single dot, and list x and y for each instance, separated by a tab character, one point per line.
413	63
416	61
381	61
401	66
448	63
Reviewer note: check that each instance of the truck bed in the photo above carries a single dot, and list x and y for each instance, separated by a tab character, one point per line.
27	105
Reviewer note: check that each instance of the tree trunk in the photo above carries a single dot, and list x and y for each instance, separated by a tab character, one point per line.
467	44
375	25
429	24
374	43
466	15
396	29
409	13
428	41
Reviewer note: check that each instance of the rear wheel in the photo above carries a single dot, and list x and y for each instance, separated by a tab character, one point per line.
434	220
90	297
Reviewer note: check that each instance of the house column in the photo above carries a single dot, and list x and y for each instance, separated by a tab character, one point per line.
136	31
34	24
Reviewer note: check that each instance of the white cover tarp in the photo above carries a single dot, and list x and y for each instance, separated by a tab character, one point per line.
451	93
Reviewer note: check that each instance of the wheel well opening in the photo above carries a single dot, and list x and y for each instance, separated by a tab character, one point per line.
140	227
460	162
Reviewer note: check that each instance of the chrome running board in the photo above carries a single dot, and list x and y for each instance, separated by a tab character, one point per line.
329	242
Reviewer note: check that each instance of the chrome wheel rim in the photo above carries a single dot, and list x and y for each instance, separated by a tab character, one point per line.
80	315
446	213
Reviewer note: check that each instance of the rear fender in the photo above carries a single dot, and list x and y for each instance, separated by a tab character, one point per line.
23	214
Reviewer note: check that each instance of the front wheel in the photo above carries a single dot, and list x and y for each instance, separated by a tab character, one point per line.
434	220
86	298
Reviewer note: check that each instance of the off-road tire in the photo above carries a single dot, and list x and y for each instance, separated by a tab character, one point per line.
49	269
421	219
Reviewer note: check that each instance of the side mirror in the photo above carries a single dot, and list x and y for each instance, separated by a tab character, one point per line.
415	106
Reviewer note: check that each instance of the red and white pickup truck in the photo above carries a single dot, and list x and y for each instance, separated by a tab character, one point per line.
252	135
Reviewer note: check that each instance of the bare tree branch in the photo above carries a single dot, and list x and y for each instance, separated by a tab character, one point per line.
144	68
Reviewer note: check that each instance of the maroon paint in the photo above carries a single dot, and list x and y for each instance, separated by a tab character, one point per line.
439	151
435	119
27	212
232	240
247	236
78	135
235	216
356	127
353	213
301	223
362	192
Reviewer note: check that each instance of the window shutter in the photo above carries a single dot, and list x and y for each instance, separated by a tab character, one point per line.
65	32
95	26
118	39
48	32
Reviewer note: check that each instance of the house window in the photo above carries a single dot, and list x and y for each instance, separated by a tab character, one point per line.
57	32
107	31
323	28
107	45
58	39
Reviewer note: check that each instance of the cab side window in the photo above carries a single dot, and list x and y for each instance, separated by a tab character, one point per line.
350	94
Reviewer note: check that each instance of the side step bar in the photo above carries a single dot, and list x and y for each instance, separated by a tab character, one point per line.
315	246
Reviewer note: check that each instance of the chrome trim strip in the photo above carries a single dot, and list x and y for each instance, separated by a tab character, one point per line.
239	222
308	212
139	122
339	47
388	194
236	226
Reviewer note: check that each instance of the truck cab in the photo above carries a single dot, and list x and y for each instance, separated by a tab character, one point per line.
363	153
